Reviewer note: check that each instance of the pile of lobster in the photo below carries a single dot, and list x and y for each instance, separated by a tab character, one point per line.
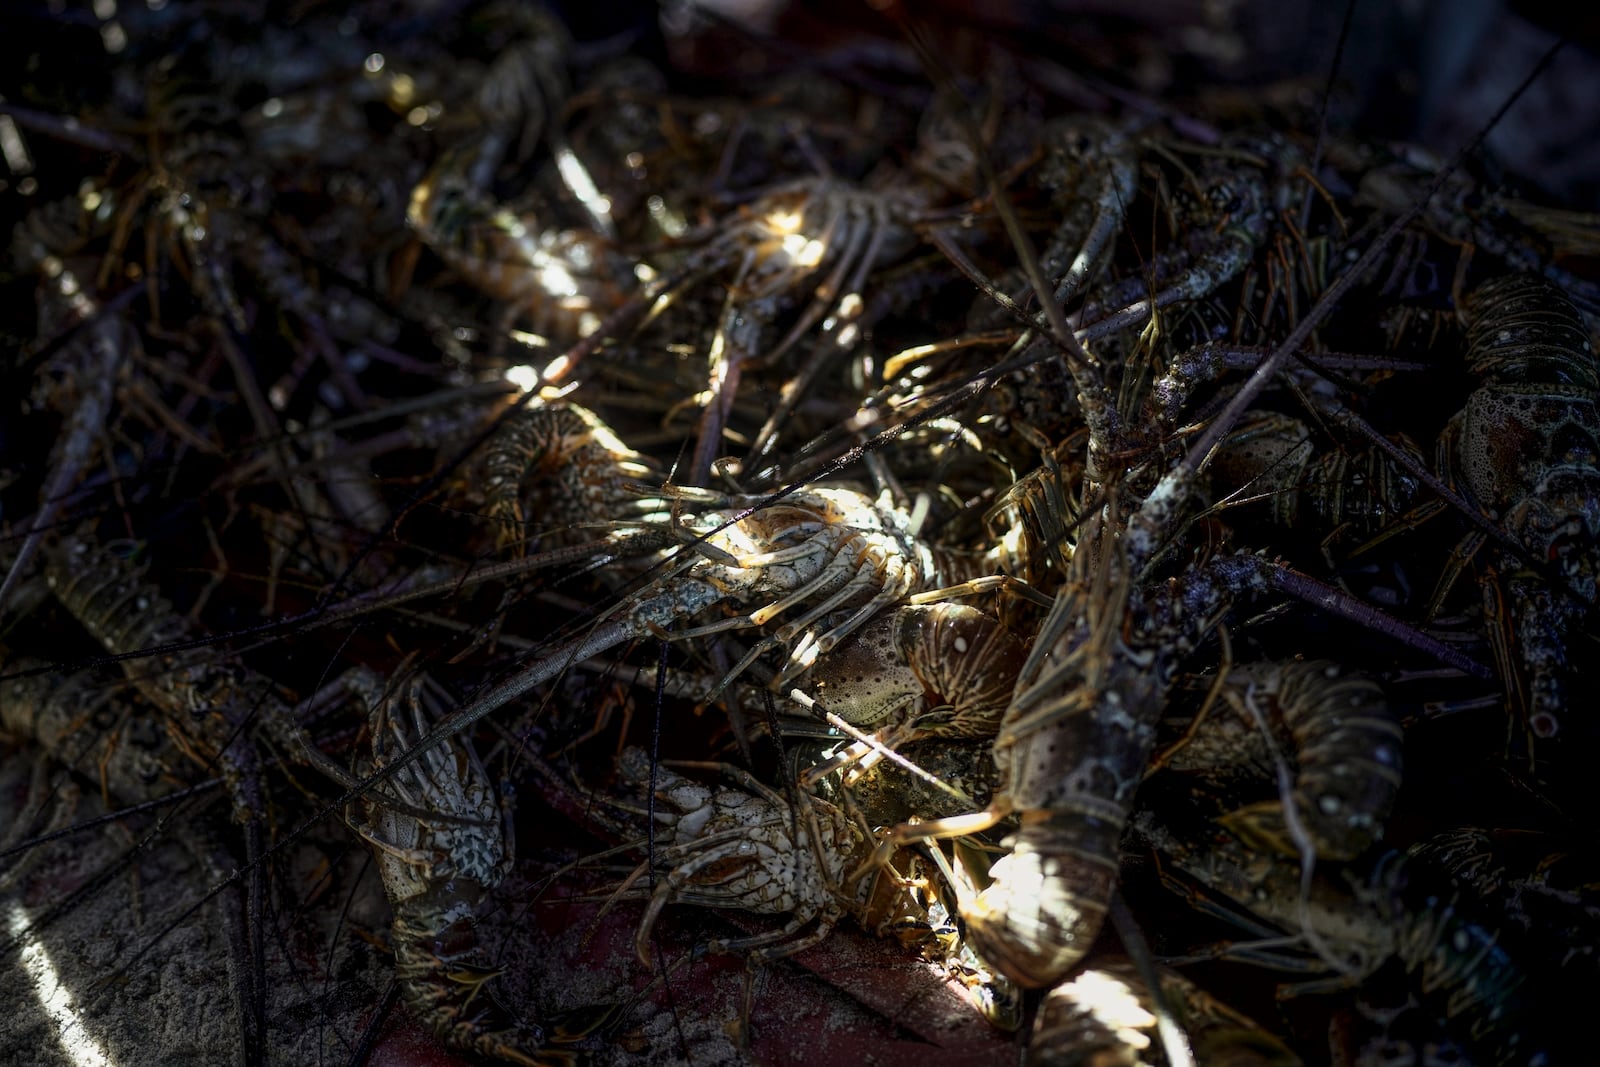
960	507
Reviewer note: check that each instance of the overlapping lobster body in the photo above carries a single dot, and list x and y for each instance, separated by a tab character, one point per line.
438	837
1526	448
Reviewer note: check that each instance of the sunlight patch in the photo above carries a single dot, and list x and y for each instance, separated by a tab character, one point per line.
81	1049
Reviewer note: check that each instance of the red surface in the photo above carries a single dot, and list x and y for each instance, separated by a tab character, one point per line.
851	999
